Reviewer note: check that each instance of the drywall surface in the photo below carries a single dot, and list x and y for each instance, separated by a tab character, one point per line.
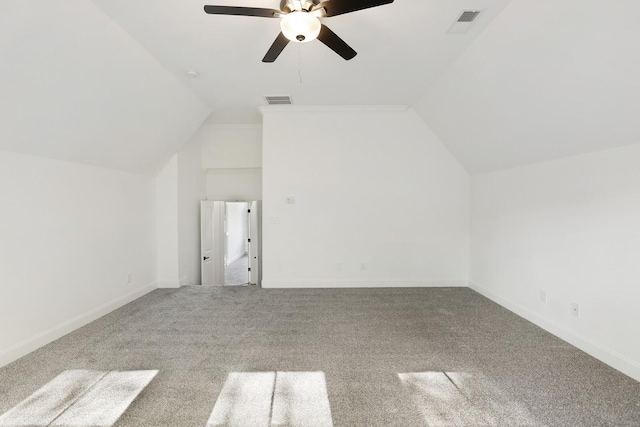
231	146
571	228
379	201
546	79
69	236
232	157
167	248
234	184
70	75
191	190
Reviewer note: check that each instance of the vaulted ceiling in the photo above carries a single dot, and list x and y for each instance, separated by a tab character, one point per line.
547	79
402	48
75	86
104	81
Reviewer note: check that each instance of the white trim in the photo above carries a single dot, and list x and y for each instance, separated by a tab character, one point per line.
239	170
232	126
35	342
430	283
168	285
321	108
597	350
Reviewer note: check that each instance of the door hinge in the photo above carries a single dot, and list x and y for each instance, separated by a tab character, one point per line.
249	269
249	240
249	211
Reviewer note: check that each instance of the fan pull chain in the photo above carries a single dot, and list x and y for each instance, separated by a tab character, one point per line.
300	64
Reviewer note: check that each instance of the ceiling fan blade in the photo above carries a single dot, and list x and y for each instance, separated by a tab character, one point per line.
278	46
335	43
243	11
338	7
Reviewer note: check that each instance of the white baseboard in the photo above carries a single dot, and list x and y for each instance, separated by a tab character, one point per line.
168	285
434	283
30	344
600	352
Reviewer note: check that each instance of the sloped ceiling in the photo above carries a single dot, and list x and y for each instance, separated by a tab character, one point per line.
103	81
402	48
74	86
547	79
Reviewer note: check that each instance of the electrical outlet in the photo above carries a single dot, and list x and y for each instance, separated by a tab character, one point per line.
128	277
543	297
575	309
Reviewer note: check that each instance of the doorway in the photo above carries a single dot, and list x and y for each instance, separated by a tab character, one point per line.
230	243
236	259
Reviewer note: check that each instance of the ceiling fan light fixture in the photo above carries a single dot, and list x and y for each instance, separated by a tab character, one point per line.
300	27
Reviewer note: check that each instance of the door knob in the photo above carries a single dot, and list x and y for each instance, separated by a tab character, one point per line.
205	258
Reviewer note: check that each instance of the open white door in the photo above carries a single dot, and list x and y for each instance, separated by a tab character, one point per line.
212	242
254	243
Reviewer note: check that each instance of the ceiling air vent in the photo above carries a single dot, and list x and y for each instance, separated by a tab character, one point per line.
469	15
278	99
464	21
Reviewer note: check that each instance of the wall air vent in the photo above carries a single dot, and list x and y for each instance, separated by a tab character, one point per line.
469	15
464	22
278	99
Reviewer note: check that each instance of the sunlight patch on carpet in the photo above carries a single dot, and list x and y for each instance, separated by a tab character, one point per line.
79	398
273	399
462	399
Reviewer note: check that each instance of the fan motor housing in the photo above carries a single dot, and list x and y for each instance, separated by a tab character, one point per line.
288	5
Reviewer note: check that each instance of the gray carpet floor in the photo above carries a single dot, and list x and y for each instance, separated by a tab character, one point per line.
390	357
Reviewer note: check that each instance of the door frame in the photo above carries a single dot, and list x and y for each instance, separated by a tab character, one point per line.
219	236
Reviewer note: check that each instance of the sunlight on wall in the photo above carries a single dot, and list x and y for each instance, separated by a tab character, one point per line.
263	399
462	399
79	398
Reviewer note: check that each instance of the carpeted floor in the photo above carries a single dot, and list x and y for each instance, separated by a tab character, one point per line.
383	357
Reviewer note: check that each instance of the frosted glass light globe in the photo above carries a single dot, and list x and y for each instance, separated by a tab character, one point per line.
300	27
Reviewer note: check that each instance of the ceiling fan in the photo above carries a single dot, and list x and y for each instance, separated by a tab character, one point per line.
300	22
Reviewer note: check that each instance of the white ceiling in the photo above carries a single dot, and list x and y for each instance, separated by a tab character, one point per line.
402	49
74	86
547	79
103	81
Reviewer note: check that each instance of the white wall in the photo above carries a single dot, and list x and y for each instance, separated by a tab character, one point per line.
570	227
349	169
232	157
166	212
237	217
234	184
231	146
69	235
191	190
